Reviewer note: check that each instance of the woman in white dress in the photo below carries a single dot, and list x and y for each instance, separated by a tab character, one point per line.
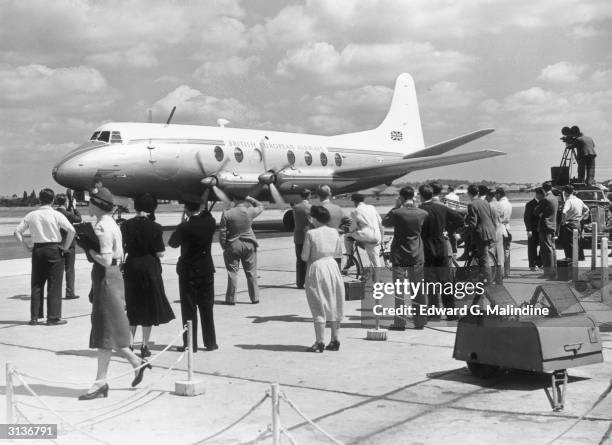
324	285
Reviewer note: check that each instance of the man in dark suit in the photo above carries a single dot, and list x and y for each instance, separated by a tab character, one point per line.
196	273
546	211
533	238
72	215
437	250
407	255
301	215
480	222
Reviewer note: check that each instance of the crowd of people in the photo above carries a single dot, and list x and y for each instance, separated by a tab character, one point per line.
127	289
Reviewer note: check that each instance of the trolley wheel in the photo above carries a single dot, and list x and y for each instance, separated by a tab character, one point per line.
482	371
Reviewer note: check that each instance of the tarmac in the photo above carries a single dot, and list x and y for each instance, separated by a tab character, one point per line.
406	390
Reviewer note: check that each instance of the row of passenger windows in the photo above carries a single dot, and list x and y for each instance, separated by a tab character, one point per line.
105	136
239	156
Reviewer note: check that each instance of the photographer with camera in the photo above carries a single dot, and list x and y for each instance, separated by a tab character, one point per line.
584	150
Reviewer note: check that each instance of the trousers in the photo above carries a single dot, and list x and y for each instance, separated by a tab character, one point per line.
300	267
198	295
69	260
237	252
412	273
47	268
548	252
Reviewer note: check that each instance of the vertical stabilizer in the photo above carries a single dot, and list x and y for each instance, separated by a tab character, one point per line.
400	131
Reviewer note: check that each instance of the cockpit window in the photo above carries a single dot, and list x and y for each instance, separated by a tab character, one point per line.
115	137
94	136
104	136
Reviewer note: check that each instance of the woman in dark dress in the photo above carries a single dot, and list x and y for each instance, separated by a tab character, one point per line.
145	296
109	324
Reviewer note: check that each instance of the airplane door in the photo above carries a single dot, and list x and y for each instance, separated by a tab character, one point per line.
164	158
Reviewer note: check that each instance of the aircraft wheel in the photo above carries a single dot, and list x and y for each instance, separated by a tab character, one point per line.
288	221
482	371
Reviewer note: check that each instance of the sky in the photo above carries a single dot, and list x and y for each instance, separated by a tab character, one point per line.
524	67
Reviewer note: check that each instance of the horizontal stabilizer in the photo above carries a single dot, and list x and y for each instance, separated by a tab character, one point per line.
408	165
449	145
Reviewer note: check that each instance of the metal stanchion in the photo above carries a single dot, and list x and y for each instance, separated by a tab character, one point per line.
276	423
593	246
9	392
575	255
189	387
604	266
189	350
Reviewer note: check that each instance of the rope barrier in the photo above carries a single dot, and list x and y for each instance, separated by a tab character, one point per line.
108	379
59	416
314	425
137	396
240	419
286	432
21	414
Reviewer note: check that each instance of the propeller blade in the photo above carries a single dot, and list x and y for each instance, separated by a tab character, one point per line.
275	194
221	194
262	145
222	166
205	195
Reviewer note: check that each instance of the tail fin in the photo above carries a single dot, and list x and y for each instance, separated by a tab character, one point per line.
400	132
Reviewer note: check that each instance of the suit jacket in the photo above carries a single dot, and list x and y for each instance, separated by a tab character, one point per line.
440	218
335	213
546	211
194	237
301	211
529	217
236	223
407	246
481	220
73	217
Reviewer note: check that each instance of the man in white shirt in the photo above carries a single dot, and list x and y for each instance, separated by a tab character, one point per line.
366	228
574	211
47	250
506	208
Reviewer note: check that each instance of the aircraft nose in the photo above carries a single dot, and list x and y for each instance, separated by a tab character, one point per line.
70	174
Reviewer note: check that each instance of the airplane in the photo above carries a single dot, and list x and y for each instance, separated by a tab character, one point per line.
191	162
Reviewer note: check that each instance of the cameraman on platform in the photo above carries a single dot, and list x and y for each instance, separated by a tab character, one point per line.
585	152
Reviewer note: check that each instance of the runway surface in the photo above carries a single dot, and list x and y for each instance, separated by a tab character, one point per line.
407	389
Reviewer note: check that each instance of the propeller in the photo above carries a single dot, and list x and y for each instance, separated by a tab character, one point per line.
269	177
212	181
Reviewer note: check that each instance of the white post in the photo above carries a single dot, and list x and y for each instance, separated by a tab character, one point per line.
593	246
276	423
9	392
604	265
189	387
575	255
189	350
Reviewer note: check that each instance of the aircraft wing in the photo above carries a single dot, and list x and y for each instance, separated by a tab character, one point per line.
443	147
407	165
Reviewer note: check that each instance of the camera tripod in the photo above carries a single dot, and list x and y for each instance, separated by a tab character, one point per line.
562	175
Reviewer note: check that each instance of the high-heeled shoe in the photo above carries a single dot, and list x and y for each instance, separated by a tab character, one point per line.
140	372
316	347
333	345
144	352
102	391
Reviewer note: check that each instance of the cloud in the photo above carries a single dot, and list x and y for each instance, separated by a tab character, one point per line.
370	63
447	95
39	83
562	72
232	67
140	56
195	107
